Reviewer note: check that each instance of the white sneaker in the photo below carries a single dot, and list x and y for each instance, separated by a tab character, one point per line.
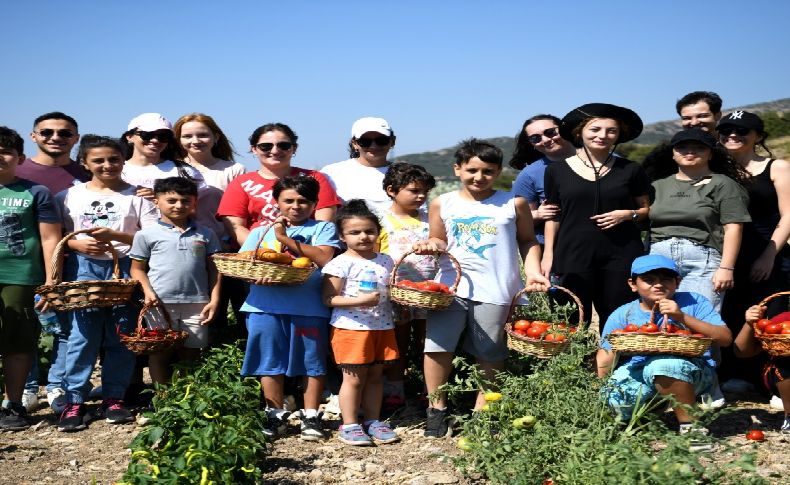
30	400
57	400
333	405
707	402
776	403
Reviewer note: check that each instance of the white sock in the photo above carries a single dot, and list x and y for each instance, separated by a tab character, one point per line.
309	413
348	425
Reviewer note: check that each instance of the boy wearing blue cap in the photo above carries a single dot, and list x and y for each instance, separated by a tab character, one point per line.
655	279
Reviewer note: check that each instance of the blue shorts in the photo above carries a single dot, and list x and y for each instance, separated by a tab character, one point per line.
290	345
635	381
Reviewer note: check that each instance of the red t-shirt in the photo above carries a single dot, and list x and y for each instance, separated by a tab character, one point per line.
249	196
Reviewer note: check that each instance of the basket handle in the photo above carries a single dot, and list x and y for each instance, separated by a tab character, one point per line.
523	291
254	255
768	298
60	250
162	310
456	267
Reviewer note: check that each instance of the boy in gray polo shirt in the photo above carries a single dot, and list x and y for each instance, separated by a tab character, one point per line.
171	261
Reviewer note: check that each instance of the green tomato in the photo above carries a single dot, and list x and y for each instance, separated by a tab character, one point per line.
464	444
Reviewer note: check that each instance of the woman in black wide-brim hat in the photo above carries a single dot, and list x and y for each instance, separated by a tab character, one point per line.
602	196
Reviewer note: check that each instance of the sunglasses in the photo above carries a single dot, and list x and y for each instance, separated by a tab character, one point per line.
162	135
548	133
267	147
48	132
729	130
381	141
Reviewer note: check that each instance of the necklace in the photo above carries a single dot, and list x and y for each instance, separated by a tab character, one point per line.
597	171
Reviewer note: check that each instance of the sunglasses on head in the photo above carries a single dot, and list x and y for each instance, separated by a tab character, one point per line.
381	141
162	135
49	132
548	133
267	147
729	130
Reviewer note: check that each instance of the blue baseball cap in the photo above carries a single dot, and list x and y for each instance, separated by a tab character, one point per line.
652	262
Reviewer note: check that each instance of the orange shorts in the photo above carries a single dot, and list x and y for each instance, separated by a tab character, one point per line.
363	347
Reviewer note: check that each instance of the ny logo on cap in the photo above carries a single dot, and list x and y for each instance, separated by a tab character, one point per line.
736	115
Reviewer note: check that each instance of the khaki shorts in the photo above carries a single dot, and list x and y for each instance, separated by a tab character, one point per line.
185	316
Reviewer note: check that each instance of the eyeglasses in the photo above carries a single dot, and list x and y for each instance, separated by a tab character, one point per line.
267	147
729	130
548	133
162	135
48	132
381	141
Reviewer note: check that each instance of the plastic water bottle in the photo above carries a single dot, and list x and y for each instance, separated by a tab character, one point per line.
369	282
49	320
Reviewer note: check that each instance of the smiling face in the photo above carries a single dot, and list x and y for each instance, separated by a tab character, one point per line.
477	177
295	206
55	137
654	285
376	149
600	134
691	154
197	139
276	160
735	143
150	144
104	163
359	234
699	115
550	146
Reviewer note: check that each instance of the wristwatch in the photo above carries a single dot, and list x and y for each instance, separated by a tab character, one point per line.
634	216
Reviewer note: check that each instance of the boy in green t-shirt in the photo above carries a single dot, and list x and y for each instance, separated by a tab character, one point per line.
29	226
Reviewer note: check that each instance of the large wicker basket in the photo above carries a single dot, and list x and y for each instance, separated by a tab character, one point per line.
141	342
75	295
253	269
661	342
413	297
538	347
776	345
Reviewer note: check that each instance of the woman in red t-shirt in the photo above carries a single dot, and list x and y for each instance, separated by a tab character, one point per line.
248	203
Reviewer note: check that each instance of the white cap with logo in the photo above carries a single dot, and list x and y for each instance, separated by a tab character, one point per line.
149	122
368	124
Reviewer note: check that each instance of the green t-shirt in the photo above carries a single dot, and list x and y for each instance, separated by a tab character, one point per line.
697	212
23	205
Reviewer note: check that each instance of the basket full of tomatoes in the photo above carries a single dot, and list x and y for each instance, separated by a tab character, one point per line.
145	340
423	294
543	332
651	338
774	336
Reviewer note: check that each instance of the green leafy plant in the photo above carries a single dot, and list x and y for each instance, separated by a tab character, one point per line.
541	306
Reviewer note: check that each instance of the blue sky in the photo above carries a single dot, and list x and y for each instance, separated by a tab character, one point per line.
439	71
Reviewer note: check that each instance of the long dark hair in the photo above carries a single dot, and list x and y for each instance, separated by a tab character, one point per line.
660	164
525	153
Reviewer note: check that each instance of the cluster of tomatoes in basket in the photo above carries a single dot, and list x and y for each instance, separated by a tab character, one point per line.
765	326
653	328
155	333
538	330
428	285
272	256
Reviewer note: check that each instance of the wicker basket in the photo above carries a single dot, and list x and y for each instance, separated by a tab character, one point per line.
775	345
76	295
659	342
142	344
537	347
252	269
413	297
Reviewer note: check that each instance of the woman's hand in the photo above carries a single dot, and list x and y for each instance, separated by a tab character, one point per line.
610	219
723	280
145	193
545	264
762	267
546	211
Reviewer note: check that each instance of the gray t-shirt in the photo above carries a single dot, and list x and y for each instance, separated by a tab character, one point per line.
697	212
177	261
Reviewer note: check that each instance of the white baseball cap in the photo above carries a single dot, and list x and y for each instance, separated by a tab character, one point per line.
364	125
149	122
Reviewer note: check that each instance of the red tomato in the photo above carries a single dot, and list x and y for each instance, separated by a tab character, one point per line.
761	324
561	325
755	435
543	326
773	328
698	335
617	330
535	332
671	328
631	328
649	328
444	288
521	325
785	331
405	284
785	325
572	330
682	331
555	337
522	333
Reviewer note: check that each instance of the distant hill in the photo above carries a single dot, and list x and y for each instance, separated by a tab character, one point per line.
440	162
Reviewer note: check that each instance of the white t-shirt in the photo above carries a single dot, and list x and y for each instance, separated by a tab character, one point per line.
221	173
146	175
351	269
352	180
121	211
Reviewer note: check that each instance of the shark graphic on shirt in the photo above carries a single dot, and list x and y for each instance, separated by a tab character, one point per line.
470	231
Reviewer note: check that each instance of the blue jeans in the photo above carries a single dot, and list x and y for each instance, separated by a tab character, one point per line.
57	359
697	265
94	328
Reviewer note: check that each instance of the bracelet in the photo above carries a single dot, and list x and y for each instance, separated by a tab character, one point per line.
728	269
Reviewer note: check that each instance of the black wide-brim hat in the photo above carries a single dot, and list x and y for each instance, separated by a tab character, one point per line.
630	122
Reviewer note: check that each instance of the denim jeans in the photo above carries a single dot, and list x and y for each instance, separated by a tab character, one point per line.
697	265
57	359
94	328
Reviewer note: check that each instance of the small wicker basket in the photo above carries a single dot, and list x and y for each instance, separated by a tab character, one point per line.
776	345
642	343
413	297
252	268
76	295
143	344
538	347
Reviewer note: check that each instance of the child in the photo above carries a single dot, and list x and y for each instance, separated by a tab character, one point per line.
109	207
655	279
289	325
777	370
404	223
171	260
484	229
29	225
363	338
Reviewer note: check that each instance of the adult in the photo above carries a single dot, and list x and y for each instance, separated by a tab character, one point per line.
248	202
361	176
538	145
601	196
699	109
763	264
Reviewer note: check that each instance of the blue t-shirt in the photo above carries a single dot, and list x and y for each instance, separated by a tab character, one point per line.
692	304
304	299
529	185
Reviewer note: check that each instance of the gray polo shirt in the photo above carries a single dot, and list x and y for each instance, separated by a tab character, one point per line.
177	261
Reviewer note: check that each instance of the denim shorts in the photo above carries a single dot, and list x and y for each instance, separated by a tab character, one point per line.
290	345
484	323
697	265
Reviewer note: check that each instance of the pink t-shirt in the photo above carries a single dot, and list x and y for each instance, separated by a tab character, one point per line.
55	178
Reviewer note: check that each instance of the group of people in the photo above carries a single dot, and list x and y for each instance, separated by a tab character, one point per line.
166	197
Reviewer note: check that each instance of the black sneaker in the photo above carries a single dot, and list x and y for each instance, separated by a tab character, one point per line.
312	429
275	426
436	424
115	412
14	417
72	418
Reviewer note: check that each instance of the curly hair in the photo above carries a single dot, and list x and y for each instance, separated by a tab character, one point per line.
660	164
